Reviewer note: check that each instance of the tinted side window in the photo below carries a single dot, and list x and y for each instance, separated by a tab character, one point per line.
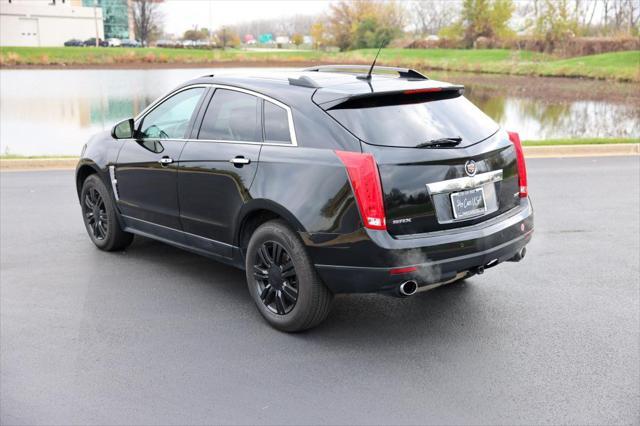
170	119
232	116
276	124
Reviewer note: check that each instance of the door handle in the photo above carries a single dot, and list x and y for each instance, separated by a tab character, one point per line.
239	161
165	161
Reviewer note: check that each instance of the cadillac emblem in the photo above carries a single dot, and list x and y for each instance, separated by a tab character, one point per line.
470	168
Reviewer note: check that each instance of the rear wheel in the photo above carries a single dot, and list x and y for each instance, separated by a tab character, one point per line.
283	281
99	215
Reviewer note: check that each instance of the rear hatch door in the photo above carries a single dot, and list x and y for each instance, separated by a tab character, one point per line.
443	163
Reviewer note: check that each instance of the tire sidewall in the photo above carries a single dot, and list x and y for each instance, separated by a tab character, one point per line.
275	231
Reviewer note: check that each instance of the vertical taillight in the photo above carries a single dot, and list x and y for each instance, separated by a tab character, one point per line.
365	181
522	167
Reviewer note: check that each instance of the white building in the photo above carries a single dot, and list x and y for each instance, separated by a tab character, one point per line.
47	22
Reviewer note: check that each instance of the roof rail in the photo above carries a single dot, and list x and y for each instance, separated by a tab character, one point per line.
355	69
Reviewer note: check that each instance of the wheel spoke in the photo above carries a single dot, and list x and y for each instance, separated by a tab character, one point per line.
260	274
94	229
88	202
290	293
277	253
280	305
288	271
265	292
103	229
268	298
264	256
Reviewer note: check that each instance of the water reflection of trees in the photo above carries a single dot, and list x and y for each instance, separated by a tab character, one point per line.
544	119
488	101
579	119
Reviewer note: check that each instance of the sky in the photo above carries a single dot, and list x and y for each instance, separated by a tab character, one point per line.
181	15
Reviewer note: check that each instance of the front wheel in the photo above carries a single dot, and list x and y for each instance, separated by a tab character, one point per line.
99	216
282	280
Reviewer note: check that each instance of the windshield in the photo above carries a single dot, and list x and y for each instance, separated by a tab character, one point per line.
408	125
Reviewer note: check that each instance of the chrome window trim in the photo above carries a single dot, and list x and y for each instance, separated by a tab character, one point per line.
292	130
467	182
153	105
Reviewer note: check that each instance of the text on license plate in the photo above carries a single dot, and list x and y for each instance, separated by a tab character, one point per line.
468	203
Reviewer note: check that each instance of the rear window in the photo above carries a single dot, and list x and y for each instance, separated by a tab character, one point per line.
232	116
276	124
409	124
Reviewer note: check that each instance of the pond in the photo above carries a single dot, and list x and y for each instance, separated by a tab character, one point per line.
54	112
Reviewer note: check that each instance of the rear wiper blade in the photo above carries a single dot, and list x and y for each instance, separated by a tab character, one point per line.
440	142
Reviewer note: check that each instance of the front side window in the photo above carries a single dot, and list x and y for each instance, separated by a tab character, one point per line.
276	124
170	119
232	116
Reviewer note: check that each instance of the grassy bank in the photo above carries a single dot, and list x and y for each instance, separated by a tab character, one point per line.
619	66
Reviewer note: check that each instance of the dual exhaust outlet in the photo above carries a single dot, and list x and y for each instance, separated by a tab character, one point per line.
410	287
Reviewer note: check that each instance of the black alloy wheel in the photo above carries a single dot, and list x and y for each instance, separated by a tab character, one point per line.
283	281
276	278
100	216
95	213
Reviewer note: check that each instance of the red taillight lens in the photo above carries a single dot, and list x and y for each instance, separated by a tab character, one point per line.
365	181
425	90
402	271
522	167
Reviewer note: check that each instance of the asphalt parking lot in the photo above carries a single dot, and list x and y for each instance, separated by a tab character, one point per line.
156	335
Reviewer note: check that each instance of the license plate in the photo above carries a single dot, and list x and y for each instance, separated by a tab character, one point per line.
468	203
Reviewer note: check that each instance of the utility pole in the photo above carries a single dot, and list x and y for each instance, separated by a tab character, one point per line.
95	19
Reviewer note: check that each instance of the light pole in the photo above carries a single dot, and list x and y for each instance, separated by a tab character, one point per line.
95	19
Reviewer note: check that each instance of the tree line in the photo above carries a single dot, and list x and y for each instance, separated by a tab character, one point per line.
354	24
351	24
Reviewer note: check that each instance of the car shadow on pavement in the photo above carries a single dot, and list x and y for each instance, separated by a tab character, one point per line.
356	320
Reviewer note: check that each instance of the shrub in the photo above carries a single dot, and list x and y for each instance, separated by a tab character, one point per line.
573	46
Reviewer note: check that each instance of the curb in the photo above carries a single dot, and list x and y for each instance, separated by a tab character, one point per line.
554	151
601	150
34	164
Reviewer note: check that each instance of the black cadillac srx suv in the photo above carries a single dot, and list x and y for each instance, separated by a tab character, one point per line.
323	181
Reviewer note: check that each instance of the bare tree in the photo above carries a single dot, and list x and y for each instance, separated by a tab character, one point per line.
147	20
430	16
285	25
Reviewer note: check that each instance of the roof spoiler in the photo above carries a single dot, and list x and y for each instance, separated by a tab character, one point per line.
395	97
359	69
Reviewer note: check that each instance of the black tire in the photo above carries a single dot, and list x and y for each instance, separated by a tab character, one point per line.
312	298
101	222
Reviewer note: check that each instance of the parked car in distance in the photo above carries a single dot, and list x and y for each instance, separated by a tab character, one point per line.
169	43
114	42
74	43
91	42
203	44
317	182
129	43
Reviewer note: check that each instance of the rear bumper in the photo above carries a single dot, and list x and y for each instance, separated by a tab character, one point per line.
363	261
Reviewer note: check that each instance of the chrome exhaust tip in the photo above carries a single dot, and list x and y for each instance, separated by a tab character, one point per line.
519	256
408	288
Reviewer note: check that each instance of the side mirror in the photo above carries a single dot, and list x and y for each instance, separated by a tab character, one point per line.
123	130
